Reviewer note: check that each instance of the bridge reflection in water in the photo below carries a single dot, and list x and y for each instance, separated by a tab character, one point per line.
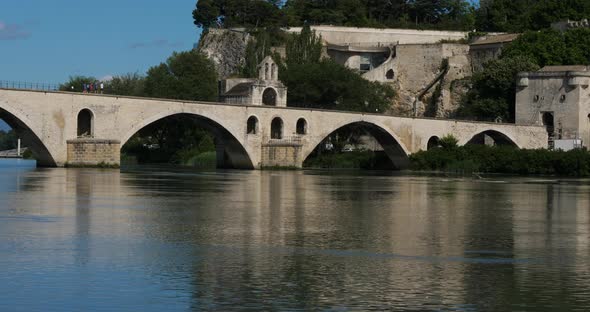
227	240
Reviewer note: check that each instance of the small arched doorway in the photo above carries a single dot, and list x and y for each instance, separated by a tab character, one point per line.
301	128
276	129
433	142
85	124
269	97
252	126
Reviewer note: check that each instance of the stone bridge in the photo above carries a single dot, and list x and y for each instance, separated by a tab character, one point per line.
88	129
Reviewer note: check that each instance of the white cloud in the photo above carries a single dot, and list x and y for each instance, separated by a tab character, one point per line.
106	78
13	32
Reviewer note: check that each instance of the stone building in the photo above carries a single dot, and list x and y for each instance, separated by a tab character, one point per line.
488	48
427	68
558	98
264	90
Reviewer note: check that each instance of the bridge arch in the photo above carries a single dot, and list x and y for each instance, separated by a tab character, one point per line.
497	137
433	142
230	151
31	139
396	151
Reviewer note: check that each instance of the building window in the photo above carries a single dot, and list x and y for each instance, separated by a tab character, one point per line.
365	64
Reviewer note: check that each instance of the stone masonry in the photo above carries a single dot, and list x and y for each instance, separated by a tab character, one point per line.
93	152
51	120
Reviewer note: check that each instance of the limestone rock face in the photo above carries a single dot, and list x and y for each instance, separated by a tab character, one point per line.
226	48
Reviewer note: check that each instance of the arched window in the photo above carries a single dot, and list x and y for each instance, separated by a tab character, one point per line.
276	128
273	71
85	123
266	71
252	127
301	126
390	74
269	97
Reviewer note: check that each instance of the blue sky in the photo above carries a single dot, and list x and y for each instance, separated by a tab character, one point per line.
47	41
50	40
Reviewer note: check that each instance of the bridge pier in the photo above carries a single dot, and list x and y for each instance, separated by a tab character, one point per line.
93	153
281	154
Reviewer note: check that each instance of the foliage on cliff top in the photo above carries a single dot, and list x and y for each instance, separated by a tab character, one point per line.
445	14
523	15
550	47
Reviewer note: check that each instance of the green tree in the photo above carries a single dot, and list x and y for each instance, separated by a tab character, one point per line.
131	84
238	13
329	85
550	47
304	48
523	15
8	140
207	13
493	92
185	76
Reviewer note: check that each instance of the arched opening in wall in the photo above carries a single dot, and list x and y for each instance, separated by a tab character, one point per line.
390	74
269	97
276	129
301	127
433	142
185	140
85	123
252	126
359	145
13	129
492	138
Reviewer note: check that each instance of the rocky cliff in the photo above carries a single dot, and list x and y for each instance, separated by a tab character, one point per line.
226	48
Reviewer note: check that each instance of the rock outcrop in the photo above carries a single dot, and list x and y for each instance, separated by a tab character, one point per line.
226	48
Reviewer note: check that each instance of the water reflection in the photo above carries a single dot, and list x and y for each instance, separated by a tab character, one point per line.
233	240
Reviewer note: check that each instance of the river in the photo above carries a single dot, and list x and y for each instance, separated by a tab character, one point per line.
182	240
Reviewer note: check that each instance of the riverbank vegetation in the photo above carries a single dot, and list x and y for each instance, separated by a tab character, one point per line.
502	159
8	140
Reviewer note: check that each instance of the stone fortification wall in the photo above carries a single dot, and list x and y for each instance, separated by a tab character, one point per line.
226	48
93	152
565	95
347	35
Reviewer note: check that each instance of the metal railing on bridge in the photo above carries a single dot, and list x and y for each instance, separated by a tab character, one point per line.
25	85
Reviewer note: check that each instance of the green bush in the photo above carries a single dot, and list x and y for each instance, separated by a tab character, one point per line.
503	159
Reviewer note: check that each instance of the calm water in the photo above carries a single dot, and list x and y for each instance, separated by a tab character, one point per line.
92	240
